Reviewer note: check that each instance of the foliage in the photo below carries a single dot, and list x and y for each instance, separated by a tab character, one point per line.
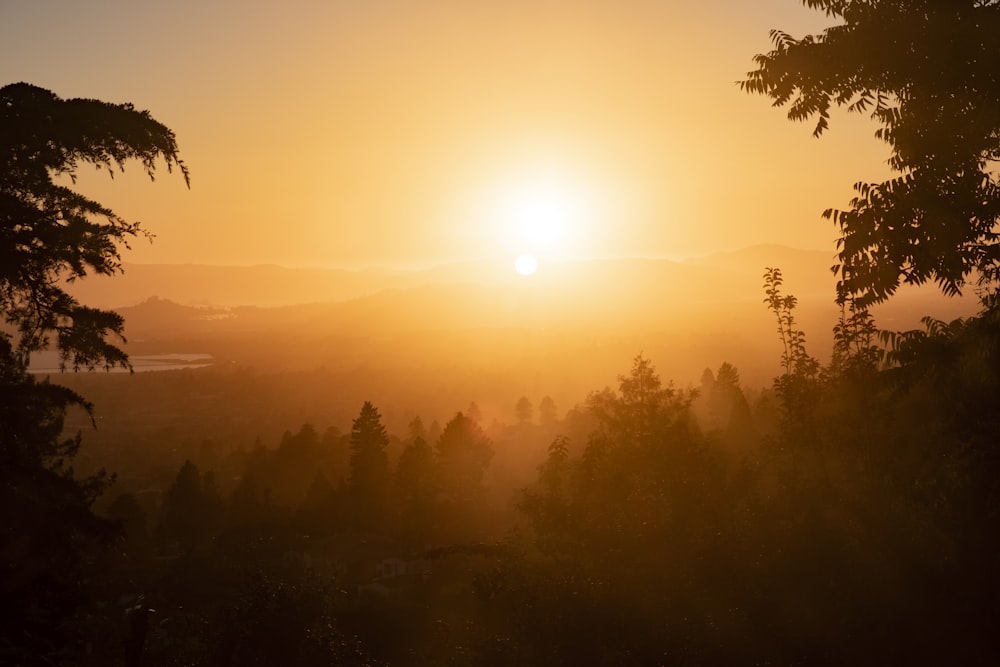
726	414
644	539
524	410
924	71
547	411
855	349
44	513
285	622
191	508
370	477
50	234
415	490
794	359
871	513
797	385
461	456
620	528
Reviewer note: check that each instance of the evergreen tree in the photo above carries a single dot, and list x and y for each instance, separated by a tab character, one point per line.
50	236
46	519
731	409
524	410
547	411
250	503
190	509
415	488
462	455
369	477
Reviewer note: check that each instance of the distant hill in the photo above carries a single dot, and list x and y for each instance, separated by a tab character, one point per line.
578	323
318	343
197	284
271	285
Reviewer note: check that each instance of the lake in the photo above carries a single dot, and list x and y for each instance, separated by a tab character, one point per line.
48	362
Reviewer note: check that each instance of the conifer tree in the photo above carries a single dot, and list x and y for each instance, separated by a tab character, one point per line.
369	469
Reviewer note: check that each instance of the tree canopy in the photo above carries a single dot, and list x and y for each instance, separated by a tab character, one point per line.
370	475
50	234
925	70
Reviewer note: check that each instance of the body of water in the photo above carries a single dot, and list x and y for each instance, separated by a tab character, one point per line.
48	362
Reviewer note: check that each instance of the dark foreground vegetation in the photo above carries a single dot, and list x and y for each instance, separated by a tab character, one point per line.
848	516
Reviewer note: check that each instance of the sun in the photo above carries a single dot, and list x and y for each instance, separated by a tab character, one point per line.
539	220
542	215
539	212
526	264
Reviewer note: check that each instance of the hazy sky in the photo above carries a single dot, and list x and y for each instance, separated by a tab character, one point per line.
381	132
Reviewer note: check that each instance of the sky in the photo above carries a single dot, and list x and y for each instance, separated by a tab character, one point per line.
403	133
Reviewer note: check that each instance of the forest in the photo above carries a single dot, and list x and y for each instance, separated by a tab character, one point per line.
818	522
846	512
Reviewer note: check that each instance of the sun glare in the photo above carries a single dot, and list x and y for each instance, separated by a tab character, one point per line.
542	215
550	211
538	218
541	219
526	265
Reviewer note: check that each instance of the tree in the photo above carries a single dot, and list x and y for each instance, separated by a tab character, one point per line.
292	466
925	71
132	519
547	411
623	529
369	480
191	508
797	386
462	455
524	410
50	234
728	405
250	503
547	503
415	487
643	408
45	516
794	359
285	621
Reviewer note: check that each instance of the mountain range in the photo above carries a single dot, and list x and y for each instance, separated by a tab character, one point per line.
574	323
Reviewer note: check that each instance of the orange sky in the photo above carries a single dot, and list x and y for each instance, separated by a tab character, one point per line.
392	132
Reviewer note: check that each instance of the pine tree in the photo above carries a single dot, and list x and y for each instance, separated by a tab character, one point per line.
369	475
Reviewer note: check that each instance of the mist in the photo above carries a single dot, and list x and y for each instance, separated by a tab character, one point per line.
499	334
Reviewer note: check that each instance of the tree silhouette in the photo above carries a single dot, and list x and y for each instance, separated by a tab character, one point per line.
191	508
127	511
415	489
370	478
924	70
642	408
730	411
547	411
524	410
45	516
622	530
49	233
462	455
